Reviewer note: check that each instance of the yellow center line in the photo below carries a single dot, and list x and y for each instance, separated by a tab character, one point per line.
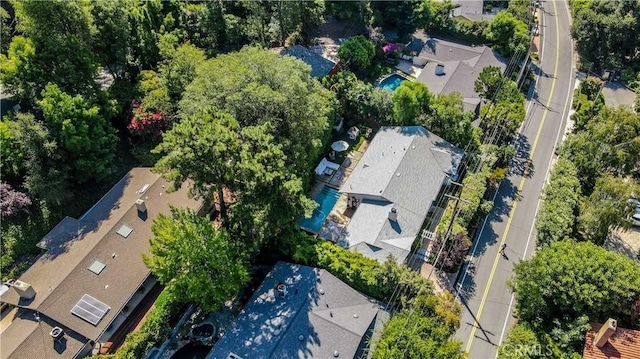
520	186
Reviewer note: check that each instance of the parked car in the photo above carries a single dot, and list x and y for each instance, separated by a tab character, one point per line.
635	218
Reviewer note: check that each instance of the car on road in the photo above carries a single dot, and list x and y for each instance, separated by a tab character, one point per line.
635	218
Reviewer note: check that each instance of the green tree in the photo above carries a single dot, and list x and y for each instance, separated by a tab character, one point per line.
488	82
509	35
357	53
610	143
179	69
15	68
204	148
11	155
61	35
257	86
411	100
607	208
574	279
112	36
199	262
422	332
556	220
6	30
47	174
448	120
359	99
82	132
401	16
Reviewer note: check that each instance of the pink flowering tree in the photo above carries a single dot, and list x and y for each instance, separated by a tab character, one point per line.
145	124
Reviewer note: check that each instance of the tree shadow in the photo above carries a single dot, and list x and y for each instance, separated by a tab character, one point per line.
521	165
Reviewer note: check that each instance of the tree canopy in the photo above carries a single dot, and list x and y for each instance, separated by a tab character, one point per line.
568	280
357	53
256	86
509	34
201	263
556	219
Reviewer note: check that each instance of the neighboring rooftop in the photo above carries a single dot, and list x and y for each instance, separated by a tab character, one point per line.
302	312
461	64
403	168
622	344
320	66
77	250
473	10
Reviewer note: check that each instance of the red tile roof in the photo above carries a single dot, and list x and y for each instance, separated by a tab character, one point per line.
623	344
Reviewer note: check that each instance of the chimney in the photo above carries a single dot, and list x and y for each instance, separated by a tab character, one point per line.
605	333
439	69
141	206
25	290
393	215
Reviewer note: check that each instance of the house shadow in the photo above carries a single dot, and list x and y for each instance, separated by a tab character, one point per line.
70	230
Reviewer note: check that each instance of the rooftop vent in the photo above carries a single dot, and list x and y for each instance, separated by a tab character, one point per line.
57	333
234	356
282	290
143	189
393	215
439	69
336	354
605	332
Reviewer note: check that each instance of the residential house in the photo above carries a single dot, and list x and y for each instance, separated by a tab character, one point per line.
605	341
302	312
91	277
452	67
473	10
320	66
392	189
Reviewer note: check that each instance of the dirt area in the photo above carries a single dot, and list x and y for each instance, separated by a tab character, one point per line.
625	242
335	32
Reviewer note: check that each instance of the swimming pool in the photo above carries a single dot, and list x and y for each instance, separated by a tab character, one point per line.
326	199
392	82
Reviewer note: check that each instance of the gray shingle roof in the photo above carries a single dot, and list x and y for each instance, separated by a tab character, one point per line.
462	65
320	66
403	168
319	308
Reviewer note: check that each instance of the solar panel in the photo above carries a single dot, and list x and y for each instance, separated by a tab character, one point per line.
124	230
90	309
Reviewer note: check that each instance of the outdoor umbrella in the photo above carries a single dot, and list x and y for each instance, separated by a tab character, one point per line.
340	146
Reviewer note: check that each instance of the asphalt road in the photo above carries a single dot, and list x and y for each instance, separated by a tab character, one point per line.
487	301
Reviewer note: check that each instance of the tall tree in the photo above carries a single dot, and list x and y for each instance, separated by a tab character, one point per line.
607	208
47	173
199	262
488	81
203	147
609	144
12	202
448	120
257	86
82	131
112	35
411	100
357	53
509	34
574	279
61	35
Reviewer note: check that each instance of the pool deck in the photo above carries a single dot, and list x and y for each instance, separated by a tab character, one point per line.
409	68
340	214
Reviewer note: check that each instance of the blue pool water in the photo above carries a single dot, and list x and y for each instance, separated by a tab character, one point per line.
327	198
392	82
